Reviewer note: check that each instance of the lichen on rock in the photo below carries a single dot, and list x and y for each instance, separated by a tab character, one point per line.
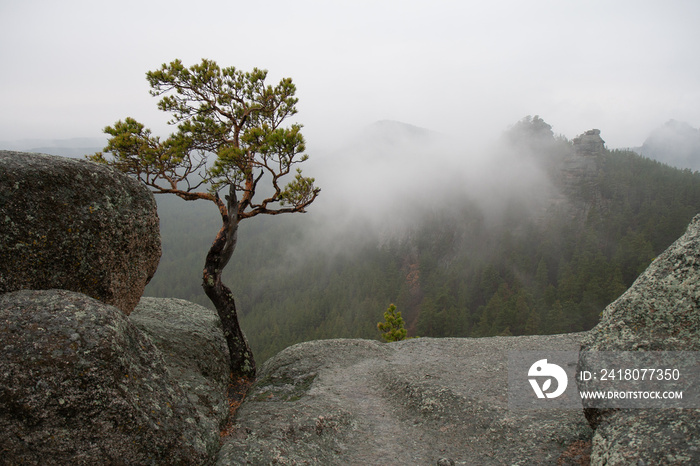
80	384
76	225
194	350
659	312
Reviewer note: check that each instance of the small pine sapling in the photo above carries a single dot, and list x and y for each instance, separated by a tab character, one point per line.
393	326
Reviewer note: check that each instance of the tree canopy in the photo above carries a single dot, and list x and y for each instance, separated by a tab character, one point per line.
223	112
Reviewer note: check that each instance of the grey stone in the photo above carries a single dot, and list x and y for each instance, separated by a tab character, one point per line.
645	436
338	402
192	342
589	143
659	312
80	384
75	225
577	176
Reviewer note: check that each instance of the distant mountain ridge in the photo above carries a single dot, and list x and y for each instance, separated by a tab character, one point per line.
675	143
378	139
72	147
395	131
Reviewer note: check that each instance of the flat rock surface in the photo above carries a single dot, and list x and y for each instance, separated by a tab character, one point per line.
411	402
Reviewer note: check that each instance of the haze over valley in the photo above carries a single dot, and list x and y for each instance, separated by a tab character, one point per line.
536	235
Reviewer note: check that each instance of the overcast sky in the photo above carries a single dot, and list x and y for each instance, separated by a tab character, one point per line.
466	68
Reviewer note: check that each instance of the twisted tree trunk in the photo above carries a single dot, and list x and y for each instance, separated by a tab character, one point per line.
242	361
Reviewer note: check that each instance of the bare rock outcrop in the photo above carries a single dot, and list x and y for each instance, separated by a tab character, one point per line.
589	143
580	167
338	402
659	312
75	225
80	384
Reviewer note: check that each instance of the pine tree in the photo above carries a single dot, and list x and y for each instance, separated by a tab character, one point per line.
393	326
230	136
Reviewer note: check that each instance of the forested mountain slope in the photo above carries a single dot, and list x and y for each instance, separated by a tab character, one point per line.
534	234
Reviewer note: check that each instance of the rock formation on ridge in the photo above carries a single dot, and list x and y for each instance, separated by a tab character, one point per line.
589	143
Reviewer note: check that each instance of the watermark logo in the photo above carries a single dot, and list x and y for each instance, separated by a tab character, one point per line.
547	372
603	379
